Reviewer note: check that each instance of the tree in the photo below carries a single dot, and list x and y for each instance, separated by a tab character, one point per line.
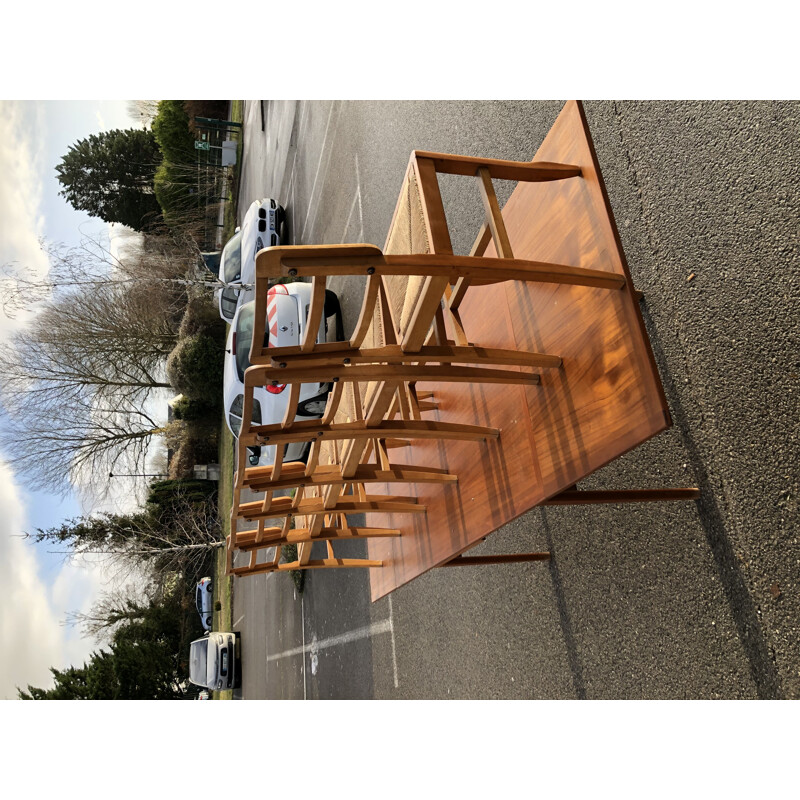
77	379
110	175
171	131
168	538
142	111
55	444
147	657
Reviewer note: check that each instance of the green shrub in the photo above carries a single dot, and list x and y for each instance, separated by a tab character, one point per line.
181	465
175	189
203	436
165	495
289	553
171	129
211	109
194	367
201	316
191	410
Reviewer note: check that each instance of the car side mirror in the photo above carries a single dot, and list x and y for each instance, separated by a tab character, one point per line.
237	229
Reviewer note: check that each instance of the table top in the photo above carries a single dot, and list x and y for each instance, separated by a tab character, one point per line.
606	398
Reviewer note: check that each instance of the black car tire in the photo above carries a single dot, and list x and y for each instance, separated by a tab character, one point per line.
209	587
209	621
333	307
303	408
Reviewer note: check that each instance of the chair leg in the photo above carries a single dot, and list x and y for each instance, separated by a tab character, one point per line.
514	558
586	497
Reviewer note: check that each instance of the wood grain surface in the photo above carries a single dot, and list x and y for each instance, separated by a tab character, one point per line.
605	398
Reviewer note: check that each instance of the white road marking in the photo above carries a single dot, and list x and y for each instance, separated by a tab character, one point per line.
319	165
349	217
238	621
294	241
374	629
360	210
303	621
356	200
394	651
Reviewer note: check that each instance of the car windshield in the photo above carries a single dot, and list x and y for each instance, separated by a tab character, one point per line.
232	259
244	337
198	660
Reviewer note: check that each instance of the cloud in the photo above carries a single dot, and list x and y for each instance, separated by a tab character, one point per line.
21	165
32	638
100	121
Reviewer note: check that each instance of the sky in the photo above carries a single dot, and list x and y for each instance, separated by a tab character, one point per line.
40	587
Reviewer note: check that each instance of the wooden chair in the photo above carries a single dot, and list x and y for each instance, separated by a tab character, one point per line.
384	369
414	346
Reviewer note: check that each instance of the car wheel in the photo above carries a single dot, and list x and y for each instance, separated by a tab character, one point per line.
209	587
331	303
209	621
280	215
315	407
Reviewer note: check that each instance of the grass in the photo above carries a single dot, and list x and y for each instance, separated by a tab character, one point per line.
223	584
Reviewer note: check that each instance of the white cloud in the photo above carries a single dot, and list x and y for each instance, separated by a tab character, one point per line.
32	638
100	121
21	160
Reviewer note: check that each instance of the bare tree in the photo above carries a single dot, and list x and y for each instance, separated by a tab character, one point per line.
78	378
112	341
114	609
55	443
142	112
171	262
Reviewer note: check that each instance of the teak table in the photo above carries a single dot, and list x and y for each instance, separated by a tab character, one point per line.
604	400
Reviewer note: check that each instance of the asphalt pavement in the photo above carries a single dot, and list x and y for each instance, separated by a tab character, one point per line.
668	600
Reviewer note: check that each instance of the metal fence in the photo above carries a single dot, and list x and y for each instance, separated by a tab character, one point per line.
216	145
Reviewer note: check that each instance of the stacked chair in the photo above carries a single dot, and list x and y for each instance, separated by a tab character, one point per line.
409	330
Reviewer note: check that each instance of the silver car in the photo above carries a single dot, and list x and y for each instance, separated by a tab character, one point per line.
203	600
213	661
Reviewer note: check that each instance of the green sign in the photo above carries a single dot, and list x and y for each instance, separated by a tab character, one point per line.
202	146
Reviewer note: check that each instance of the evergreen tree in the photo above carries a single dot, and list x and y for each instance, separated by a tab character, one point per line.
110	175
147	660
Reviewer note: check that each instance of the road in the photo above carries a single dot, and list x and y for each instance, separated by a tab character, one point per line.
681	600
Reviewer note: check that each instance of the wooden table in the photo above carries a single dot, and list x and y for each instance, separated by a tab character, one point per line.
606	399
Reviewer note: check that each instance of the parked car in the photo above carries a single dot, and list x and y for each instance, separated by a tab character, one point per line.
211	261
290	304
213	661
261	227
203	600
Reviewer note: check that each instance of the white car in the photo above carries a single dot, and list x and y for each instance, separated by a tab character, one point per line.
260	228
203	601
213	661
287	306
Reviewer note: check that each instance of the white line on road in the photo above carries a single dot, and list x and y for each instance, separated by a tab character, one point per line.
319	165
349	217
238	621
356	199
391	626
374	629
360	213
303	621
